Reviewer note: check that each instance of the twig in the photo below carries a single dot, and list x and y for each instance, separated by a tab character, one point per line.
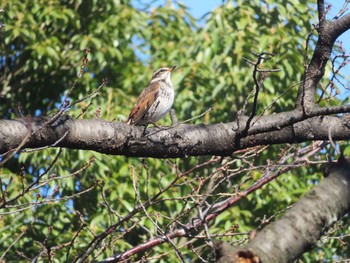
35	181
206	231
261	56
181	122
178	253
330	129
12	244
342	10
96	240
72	242
45	147
65	198
197	223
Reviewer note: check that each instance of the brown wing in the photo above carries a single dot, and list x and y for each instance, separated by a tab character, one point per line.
144	102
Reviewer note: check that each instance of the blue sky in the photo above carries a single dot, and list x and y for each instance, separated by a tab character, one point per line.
198	8
335	8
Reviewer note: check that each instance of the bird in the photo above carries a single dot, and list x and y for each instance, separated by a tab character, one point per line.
155	100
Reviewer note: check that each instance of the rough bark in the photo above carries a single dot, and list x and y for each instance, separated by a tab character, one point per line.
300	228
328	32
179	141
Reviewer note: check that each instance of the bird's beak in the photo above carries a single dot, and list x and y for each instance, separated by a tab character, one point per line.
172	68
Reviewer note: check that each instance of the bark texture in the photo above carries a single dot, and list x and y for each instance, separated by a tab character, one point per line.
300	228
182	140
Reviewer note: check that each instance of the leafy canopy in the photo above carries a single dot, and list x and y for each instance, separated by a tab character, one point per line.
85	192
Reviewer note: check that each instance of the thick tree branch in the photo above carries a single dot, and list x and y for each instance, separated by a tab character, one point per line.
182	140
321	11
302	225
328	33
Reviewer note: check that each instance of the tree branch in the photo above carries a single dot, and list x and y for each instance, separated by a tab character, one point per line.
321	11
328	33
182	140
215	209
302	225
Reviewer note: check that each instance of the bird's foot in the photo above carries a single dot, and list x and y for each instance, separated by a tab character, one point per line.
144	133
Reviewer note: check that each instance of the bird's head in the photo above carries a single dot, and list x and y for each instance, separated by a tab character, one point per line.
162	73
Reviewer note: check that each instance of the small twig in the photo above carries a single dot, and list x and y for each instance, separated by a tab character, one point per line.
94	243
173	117
35	181
49	201
110	209
12	244
261	56
3	193
342	10
196	223
85	61
206	231
138	198
45	147
275	100
330	129
182	122
103	84
265	221
83	225
75	82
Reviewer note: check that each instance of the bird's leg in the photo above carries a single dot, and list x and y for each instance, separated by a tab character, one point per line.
144	130
173	118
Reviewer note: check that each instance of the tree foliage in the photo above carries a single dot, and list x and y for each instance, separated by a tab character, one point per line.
57	204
